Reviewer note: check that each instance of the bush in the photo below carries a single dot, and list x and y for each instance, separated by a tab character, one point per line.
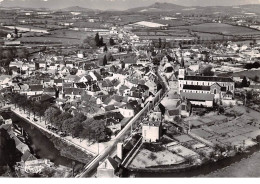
152	156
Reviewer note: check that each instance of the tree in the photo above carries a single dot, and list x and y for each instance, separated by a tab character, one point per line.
97	40
104	61
61	118
51	114
105	48
98	130
72	125
77	128
208	71
160	43
15	31
101	42
111	41
84	133
66	126
256	78
245	83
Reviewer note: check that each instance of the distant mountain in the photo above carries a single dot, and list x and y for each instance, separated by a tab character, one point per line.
77	9
157	7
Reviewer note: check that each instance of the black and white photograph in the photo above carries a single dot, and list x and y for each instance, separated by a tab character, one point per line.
129	89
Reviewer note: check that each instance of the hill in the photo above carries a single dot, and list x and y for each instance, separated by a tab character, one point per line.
77	9
157	7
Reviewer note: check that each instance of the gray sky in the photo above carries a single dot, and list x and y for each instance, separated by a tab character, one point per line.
118	4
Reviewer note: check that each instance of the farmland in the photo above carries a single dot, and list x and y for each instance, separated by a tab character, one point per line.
220	28
64	37
249	73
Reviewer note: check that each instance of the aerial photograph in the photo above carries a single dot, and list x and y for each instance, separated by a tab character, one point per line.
129	89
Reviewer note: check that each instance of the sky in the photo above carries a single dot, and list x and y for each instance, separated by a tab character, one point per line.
117	4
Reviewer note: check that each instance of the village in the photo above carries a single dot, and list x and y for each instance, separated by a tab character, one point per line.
130	103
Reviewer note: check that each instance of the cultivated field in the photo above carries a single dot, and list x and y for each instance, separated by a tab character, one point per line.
249	73
220	28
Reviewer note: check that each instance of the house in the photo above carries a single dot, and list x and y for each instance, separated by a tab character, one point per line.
69	64
72	93
129	61
124	90
171	114
42	64
151	131
155	116
42	98
152	86
50	91
108	169
5	80
130	109
58	82
34	90
127	110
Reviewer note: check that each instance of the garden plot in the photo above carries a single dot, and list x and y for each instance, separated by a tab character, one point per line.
183	151
183	138
202	133
146	158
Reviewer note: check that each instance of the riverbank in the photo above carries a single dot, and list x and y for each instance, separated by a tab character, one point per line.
65	149
208	169
69	151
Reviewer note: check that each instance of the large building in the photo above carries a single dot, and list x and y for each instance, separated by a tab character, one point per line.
220	87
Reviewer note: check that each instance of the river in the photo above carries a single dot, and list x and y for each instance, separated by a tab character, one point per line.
241	165
41	145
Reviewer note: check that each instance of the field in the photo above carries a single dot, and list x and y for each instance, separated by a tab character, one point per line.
249	73
220	28
163	34
64	37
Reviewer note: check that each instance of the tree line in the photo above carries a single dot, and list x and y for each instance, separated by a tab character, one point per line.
76	125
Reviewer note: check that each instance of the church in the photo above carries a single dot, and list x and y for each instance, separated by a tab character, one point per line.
219	87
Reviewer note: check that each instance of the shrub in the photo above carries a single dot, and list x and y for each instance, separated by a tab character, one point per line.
152	156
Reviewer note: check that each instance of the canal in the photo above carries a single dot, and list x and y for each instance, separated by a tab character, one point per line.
41	144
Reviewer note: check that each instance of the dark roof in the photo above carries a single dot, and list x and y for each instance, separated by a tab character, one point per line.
142	86
49	90
36	88
208	78
109	108
130	60
194	87
57	80
81	85
174	112
67	85
75	91
98	76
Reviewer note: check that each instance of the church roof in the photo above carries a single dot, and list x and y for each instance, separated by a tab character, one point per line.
208	78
